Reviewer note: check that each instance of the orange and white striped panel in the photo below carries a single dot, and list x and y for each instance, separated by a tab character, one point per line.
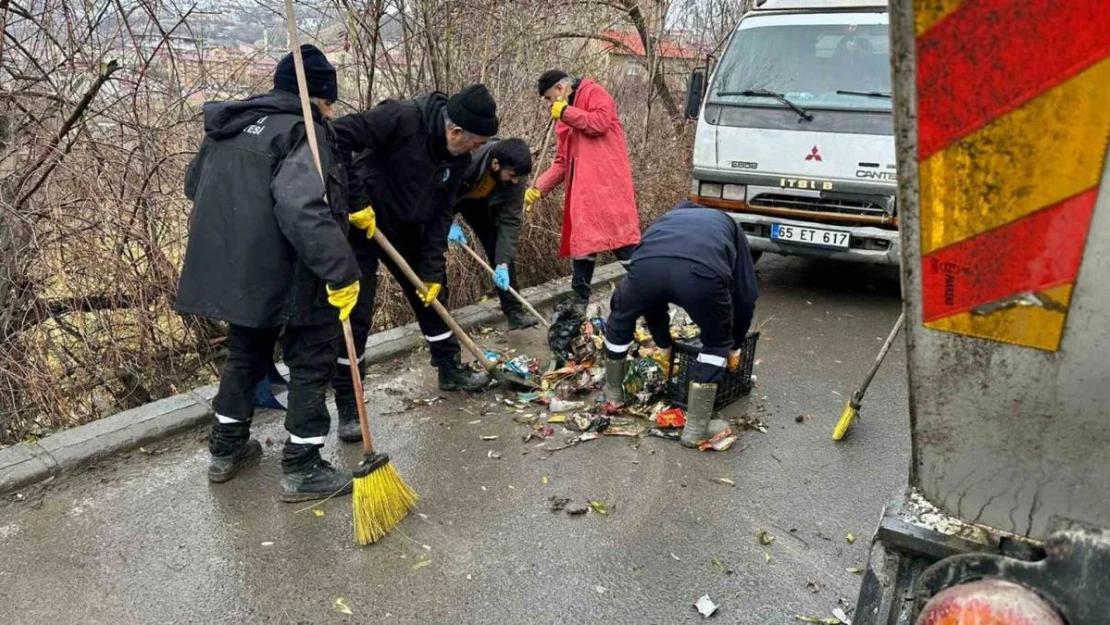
1013	128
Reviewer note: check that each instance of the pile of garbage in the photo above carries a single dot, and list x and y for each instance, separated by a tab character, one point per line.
576	370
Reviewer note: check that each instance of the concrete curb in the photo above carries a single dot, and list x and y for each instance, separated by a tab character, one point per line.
27	463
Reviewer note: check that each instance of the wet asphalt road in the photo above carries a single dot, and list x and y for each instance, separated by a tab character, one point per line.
143	538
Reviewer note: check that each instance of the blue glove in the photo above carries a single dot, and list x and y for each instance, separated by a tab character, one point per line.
456	235
501	277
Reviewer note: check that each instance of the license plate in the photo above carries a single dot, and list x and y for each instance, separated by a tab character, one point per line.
810	236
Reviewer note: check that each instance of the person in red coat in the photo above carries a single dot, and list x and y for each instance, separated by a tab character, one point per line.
599	205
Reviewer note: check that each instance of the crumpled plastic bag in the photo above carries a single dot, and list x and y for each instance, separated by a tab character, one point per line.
644	379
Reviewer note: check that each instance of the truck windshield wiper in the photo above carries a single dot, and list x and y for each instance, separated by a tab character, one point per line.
866	94
763	93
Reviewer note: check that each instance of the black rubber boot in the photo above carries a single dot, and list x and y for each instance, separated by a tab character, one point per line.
346	407
231	449
453	376
518	319
308	476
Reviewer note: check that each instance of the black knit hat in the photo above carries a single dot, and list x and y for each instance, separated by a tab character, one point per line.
549	79
474	110
318	73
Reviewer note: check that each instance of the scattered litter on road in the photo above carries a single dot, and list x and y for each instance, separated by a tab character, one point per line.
813	586
723	441
421	564
268	544
425	402
799	419
544	480
559	418
601	590
562	405
805	618
577	510
766	558
840	614
705	606
724	480
340	605
586	422
600	507
721	565
851	538
493	455
490	437
676	557
318	512
671	418
475	422
558	503
672	435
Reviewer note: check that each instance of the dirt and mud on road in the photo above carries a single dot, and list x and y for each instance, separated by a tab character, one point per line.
762	529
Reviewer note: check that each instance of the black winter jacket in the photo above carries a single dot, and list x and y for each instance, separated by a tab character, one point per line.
403	169
505	205
263	239
711	238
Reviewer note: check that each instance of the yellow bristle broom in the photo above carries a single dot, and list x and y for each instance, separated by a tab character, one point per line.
381	498
852	406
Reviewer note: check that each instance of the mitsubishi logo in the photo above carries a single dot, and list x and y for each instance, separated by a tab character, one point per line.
814	155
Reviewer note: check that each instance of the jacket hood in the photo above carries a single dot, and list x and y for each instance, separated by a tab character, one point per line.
227	119
431	108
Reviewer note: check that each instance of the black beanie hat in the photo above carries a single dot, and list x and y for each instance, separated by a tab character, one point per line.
318	73
549	79
474	110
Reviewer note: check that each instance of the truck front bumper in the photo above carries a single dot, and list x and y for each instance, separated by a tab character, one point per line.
868	244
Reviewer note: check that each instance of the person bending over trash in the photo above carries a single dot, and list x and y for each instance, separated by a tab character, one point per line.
696	258
408	158
599	203
268	254
491	200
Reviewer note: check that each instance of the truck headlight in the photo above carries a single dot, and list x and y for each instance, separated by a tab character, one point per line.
737	192
710	189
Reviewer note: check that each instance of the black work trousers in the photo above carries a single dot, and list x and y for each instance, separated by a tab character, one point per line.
652	284
485	229
582	270
309	352
441	341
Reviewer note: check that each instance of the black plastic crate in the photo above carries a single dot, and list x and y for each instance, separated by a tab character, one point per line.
733	387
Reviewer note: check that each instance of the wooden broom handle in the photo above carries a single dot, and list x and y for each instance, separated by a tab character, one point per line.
310	132
512	291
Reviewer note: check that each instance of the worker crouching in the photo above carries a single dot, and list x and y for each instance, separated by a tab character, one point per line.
696	258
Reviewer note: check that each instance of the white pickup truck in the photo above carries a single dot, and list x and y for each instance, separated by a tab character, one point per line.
795	136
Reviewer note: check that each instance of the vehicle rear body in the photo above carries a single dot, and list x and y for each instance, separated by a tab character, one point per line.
795	136
1004	194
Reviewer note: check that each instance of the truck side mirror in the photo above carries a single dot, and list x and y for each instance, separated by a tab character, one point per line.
695	92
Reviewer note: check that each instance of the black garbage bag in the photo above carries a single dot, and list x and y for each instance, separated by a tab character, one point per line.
566	327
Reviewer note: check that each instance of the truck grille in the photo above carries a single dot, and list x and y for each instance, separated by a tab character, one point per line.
824	204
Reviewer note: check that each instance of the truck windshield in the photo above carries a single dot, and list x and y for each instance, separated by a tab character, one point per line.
842	66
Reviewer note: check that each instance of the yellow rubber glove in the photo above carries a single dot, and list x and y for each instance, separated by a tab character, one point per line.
530	197
557	108
432	292
733	360
344	298
365	220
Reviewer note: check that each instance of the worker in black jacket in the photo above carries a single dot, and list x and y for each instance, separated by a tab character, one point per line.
409	157
268	254
491	200
696	258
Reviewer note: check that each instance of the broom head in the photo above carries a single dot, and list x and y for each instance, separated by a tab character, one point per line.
381	498
847	416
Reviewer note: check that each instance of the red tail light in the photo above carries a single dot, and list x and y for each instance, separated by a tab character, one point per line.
988	602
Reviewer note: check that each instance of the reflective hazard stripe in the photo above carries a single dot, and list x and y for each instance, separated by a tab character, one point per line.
439	337
710	359
345	361
223	419
311	440
617	349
